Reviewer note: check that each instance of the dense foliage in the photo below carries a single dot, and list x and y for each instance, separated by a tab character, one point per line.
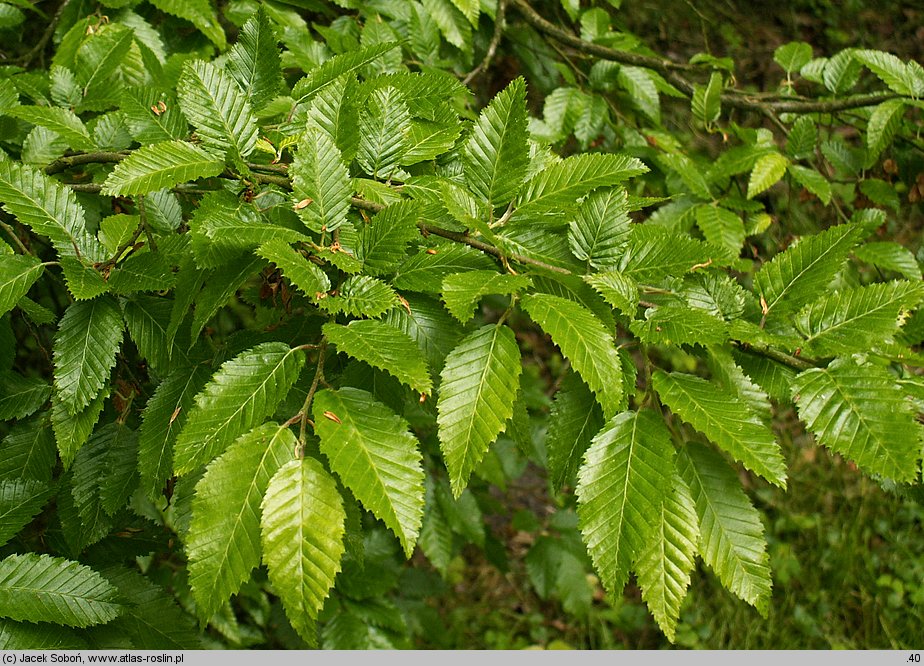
277	309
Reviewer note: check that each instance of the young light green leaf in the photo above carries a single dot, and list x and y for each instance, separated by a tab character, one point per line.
619	290
320	182
223	542
857	410
574	419
793	56
20	502
85	347
721	228
452	23
496	155
198	12
726	420
383	127
768	170
599	231
254	62
18	272
217	108
370	449
384	347
890	256
621	487
884	121
841	71
463	291
332	69
642	89
797	275
857	319
161	166
40	588
731	539
667	559
302	531
585	342
478	388
243	392
361	296
890	70
813	181
802	138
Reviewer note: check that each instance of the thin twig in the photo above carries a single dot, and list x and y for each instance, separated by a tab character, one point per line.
69	161
318	376
12	234
46	36
492	46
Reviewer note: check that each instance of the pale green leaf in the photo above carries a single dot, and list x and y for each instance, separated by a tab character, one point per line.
621	487
244	391
452	23
463	291
478	388
361	296
841	71
667	559
675	324
161	166
40	588
496	154
200	14
793	56
858	410
890	70
215	105
731	539
890	256
768	170
884	121
721	228
639	83
797	275
857	319
370	449
320	182
85	347
585	342
302	535
18	273
620	291
599	231
223	542
802	138
726	420
384	347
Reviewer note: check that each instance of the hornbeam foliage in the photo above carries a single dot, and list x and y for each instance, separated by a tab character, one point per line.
275	312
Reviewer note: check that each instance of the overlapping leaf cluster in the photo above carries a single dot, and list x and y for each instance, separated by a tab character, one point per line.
290	310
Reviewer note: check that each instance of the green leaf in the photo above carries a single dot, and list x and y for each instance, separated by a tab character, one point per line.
305	275
618	290
384	347
426	270
384	123
857	410
768	170
200	14
21	396
40	588
85	349
302	535
148	271
463	291
50	209
721	228
72	430
890	70
161	166
147	318
162	420
97	60
857	319
361	296
18	273
884	121
217	108
797	275
675	324
370	449
243	392
20	501
667	559
223	542
28	451
333	68
221	285
726	420
254	61
653	253
802	138
29	636
813	181
452	23
890	256
793	56
621	487
104	471
600	230
731	535
478	388
62	122
137	107
384	239
566	180
320	178
574	419
496	154
428	324
841	71
585	342
643	92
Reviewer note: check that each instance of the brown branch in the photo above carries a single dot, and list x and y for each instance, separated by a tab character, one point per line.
773	354
671	71
70	161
